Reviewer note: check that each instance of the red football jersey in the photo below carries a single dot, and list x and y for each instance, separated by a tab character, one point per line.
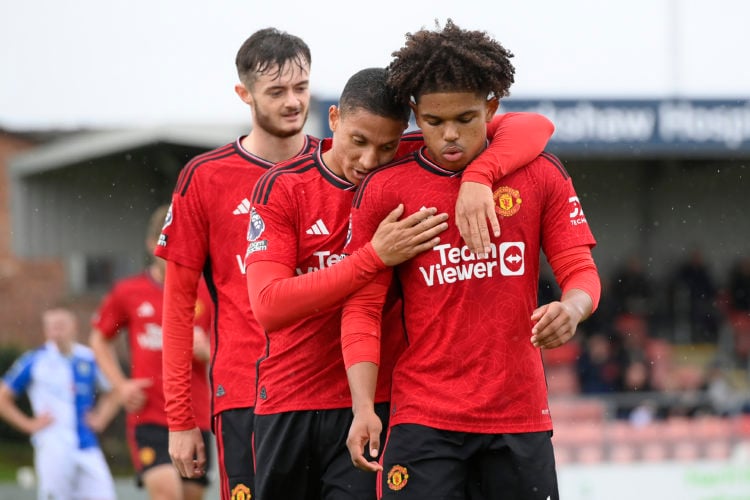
470	365
205	231
300	218
135	304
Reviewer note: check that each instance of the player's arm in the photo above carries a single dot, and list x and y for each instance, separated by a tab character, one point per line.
280	297
576	273
186	446
107	407
515	140
360	344
12	414
130	391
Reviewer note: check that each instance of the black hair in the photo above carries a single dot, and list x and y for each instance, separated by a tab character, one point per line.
368	89
270	48
450	59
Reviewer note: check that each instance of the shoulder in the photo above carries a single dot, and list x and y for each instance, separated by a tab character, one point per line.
25	361
83	352
128	283
205	164
387	173
293	171
549	164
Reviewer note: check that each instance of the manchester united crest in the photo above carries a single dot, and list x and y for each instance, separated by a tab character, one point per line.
507	201
147	455
241	492
398	476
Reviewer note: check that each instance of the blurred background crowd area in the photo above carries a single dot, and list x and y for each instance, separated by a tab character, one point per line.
660	371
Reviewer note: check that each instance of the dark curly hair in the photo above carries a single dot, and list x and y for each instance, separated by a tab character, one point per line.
450	59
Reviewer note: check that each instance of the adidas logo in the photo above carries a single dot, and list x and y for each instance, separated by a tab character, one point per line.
318	228
243	208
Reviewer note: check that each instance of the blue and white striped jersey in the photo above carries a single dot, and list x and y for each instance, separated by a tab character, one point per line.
63	386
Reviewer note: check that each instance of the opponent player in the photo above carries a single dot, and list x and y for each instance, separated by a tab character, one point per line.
63	382
135	305
299	217
469	402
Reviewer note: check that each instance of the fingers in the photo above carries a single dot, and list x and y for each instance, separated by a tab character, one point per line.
374	444
494	223
395	213
416	217
553	327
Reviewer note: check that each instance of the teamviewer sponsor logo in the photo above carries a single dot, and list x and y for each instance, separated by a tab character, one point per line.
461	264
321	260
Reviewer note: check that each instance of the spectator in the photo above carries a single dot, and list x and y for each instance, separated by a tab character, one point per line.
632	289
601	364
739	286
692	294
62	381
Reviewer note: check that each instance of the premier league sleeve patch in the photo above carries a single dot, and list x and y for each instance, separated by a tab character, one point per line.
168	218
256	226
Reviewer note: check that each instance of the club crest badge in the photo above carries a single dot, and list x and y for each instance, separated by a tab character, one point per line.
398	476
147	455
507	201
241	492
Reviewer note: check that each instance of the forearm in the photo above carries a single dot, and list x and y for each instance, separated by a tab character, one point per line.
578	277
279	297
106	358
579	301
362	383
10	412
106	409
180	292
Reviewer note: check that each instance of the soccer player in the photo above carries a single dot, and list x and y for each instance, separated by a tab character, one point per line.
297	281
135	305
63	383
205	234
469	401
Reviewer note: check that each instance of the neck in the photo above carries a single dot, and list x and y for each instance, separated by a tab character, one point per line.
156	272
331	163
273	148
64	347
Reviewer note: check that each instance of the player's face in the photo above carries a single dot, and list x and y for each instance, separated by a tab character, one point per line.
281	100
454	125
362	141
59	326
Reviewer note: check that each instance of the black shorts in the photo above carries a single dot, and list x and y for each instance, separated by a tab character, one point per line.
234	445
152	449
302	455
422	463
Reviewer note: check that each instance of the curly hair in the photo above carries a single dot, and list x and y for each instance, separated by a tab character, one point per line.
450	59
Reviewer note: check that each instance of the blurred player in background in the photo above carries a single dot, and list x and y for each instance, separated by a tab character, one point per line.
469	402
62	381
298	224
205	233
134	305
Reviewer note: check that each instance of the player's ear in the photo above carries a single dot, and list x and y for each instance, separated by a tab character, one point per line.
244	94
492	104
333	117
